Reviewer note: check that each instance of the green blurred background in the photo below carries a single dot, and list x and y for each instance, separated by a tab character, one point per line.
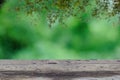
29	37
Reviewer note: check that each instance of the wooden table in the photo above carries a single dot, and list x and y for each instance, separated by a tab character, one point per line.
60	70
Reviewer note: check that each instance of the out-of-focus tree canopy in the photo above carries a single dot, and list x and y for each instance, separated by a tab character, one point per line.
92	32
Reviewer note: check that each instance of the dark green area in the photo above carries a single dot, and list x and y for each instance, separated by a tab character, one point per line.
29	37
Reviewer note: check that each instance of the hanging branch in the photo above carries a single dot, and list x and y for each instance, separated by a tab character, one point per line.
62	9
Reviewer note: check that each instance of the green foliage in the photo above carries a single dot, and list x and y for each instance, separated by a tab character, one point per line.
59	10
82	39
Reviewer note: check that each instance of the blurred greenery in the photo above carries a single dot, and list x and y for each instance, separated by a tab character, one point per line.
29	37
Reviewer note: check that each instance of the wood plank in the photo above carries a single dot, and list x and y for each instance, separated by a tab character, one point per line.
60	70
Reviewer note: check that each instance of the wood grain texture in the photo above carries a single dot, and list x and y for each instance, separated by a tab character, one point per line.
60	70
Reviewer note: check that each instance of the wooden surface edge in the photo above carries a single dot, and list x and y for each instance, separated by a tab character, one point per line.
60	65
59	69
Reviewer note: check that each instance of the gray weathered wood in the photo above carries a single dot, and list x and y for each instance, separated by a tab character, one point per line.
60	70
